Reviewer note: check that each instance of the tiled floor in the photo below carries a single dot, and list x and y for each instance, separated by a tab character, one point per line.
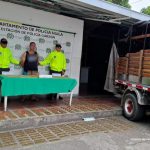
44	134
18	109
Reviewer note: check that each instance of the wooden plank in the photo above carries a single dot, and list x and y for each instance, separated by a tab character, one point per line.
146	58
133	65
140	65
146	55
127	64
122	61
121	72
146	62
146	51
146	74
134	61
134	58
146	70
122	65
123	58
121	68
146	67
133	73
134	69
134	54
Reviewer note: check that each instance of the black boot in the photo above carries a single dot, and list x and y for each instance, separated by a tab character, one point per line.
61	98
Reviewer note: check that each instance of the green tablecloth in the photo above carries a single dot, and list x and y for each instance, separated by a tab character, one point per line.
15	85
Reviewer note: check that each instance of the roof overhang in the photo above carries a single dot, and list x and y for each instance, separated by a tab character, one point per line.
97	10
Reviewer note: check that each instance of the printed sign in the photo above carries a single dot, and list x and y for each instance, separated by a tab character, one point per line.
20	35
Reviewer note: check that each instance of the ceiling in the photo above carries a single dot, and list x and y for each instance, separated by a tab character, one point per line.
82	10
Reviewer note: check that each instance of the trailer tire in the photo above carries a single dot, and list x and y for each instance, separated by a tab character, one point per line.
131	109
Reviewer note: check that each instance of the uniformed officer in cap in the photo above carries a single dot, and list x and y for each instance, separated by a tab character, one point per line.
6	57
57	62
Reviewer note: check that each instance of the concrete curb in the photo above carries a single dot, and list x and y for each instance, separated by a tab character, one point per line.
7	125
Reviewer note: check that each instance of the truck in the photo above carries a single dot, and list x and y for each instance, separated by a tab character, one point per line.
132	78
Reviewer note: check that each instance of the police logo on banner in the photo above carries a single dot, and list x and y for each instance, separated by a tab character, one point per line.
68	44
17	67
26	38
48	50
55	42
10	36
17	47
67	61
41	40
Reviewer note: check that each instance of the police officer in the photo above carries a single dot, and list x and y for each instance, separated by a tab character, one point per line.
6	56
57	61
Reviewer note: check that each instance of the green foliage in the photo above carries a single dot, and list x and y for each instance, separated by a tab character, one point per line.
146	10
124	3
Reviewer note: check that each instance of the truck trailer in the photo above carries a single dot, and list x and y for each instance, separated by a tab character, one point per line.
132	78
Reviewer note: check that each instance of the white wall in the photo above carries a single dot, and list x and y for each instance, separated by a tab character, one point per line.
27	15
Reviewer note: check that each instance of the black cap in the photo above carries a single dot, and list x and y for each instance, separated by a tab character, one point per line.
4	41
58	45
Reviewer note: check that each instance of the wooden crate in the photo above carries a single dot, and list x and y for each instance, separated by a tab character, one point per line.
121	67
146	63
135	64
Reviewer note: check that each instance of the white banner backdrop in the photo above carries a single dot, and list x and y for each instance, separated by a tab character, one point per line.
20	35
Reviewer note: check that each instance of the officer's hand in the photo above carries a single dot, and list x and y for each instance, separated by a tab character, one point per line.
63	72
20	64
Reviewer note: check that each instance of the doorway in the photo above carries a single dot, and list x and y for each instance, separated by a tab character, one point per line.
98	38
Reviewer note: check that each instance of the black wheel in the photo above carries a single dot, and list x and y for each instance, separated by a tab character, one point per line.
131	109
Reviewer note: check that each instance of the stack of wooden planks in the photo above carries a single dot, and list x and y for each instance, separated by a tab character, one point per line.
122	65
146	63
134	64
137	64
